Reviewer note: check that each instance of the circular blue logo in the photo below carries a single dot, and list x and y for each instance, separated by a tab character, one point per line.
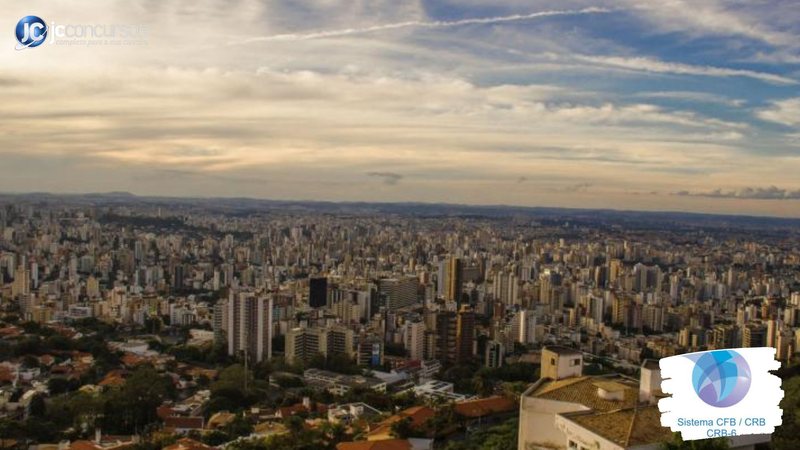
31	32
721	378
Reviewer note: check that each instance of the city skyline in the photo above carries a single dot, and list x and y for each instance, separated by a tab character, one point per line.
571	104
160	320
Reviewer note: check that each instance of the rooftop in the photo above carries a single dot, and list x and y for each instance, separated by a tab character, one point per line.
485	406
583	390
561	350
388	444
626	427
188	444
313	376
419	415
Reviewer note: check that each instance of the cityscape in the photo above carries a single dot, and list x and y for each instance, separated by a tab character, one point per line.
147	322
400	225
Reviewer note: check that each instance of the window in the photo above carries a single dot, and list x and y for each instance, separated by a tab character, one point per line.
572	445
575	362
553	361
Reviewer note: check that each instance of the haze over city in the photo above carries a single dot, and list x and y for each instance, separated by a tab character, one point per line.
627	105
400	225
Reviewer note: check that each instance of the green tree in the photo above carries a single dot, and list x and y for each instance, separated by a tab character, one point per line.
10	429
215	438
678	443
333	433
58	385
402	429
37	407
133	407
79	410
40	431
498	437
787	436
239	426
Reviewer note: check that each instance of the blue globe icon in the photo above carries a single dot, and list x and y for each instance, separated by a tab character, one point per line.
31	32
721	378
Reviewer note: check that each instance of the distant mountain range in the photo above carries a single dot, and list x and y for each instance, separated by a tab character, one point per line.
243	205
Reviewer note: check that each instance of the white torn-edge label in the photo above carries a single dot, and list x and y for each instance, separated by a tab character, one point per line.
721	393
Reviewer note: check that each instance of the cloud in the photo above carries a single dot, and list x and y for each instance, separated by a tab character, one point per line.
658	66
693	96
389	178
716	18
318	126
786	112
752	193
422	24
579	187
451	104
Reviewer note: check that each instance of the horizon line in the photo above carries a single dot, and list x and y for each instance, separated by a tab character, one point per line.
408	202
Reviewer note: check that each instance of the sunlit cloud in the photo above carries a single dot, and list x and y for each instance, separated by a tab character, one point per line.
472	102
786	112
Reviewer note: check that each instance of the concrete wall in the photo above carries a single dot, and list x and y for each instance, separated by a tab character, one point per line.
537	423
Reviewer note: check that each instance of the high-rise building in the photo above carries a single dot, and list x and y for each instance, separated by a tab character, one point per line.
523	327
596	309
784	343
370	351
220	321
454	280
754	336
317	292
340	340
653	317
446	326
398	292
430	350
22	282
302	344
441	278
465	335
772	332
92	287
250	325
495	353
414	339
722	336
505	288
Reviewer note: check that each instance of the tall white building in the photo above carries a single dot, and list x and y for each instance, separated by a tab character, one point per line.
414	339
523	327
249	327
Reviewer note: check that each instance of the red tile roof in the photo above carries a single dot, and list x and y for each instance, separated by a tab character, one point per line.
164	411
114	378
485	406
388	444
188	444
186	423
418	415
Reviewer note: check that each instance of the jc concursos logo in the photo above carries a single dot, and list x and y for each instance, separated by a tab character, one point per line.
31	31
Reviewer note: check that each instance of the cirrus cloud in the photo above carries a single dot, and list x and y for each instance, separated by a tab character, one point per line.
751	193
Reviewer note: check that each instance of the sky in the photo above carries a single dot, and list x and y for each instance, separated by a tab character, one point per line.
636	105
